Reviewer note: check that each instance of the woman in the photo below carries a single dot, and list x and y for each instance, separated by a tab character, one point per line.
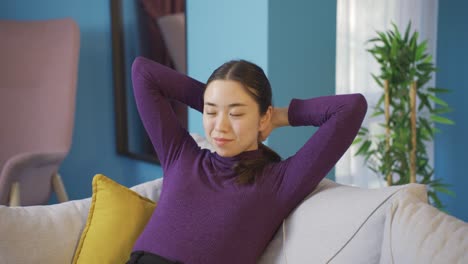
225	206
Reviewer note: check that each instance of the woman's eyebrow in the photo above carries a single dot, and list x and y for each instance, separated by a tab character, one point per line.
230	105
236	105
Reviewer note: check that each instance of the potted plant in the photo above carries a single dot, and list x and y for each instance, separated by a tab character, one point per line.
399	154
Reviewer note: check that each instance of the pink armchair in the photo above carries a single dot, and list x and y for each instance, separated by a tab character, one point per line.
38	75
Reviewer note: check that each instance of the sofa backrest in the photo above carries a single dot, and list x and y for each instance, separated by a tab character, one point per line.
334	224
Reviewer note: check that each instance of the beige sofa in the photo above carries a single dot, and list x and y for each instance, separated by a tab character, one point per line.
334	224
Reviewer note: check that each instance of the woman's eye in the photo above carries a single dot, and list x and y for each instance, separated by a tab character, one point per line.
236	115
210	113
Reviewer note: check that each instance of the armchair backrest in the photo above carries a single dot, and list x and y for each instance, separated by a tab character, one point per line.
38	75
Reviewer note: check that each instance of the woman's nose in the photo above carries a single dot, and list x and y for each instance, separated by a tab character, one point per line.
222	123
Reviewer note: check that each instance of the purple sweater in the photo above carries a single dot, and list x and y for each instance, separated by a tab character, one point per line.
203	215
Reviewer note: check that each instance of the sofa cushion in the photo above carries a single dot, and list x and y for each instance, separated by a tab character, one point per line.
416	232
41	234
365	243
331	219
115	220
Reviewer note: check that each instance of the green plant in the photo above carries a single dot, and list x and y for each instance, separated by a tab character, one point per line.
399	155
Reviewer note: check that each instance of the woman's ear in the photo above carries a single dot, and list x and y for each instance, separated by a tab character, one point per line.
265	120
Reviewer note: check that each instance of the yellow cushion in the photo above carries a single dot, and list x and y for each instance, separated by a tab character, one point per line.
116	218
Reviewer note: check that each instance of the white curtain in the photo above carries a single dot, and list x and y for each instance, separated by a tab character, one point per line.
357	22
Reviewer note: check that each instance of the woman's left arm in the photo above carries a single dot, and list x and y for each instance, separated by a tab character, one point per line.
339	118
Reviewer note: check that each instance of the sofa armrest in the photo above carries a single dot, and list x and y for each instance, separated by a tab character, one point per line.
416	232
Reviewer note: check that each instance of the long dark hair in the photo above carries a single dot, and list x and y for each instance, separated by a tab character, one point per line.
256	84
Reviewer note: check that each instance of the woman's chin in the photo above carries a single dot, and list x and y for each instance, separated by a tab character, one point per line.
225	153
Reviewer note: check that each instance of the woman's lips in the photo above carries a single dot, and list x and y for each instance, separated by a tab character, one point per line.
221	141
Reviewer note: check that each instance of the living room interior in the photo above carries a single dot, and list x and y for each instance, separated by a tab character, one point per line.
295	43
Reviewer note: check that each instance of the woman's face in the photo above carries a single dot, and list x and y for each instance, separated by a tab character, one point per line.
231	118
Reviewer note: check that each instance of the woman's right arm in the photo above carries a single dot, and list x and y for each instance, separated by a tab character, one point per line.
154	86
339	118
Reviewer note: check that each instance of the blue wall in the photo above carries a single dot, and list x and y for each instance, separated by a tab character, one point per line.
301	61
93	148
451	144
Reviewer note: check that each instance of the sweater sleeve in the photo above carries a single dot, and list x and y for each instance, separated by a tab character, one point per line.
339	118
154	86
